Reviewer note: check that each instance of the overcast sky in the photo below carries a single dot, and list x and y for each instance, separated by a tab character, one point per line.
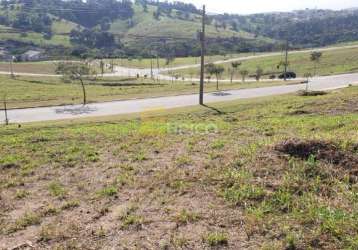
257	6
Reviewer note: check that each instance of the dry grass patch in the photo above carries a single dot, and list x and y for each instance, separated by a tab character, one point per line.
312	93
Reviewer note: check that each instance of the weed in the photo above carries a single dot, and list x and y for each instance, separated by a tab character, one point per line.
132	220
311	93
179	242
183	160
58	232
186	217
20	194
140	156
124	179
56	189
282	200
291	242
178	185
129	218
219	144
14	182
70	205
28	219
101	232
50	210
242	194
108	191
216	239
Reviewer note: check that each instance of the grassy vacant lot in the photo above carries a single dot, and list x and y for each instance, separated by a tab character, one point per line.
30	67
341	60
272	173
36	38
179	61
43	91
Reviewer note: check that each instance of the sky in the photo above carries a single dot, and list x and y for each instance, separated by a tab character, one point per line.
258	6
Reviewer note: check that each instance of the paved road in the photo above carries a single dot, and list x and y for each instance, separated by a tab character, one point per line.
260	55
162	73
142	105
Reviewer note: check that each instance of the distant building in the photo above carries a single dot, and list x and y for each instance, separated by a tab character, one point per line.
32	55
4	55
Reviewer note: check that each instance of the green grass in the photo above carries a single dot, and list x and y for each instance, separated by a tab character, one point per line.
57	190
235	190
216	239
37	38
338	61
186	217
178	61
42	91
30	67
28	219
62	26
143	24
108	191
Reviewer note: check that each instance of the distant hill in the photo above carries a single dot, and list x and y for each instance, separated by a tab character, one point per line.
303	28
105	28
176	33
111	28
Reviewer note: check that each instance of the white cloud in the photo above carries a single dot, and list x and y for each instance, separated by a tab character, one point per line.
257	6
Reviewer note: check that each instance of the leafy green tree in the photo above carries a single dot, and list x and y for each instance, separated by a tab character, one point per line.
244	73
234	26
216	70
76	71
315	58
259	73
105	24
234	67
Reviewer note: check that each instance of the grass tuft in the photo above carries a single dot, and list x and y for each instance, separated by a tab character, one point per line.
216	239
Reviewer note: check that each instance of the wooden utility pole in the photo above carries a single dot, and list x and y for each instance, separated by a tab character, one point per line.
112	66
202	63
286	61
158	68
5	110
11	68
101	63
151	68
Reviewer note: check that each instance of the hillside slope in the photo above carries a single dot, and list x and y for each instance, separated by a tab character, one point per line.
153	28
178	34
146	28
303	28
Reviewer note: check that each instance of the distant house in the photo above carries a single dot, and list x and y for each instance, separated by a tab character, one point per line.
4	55
32	55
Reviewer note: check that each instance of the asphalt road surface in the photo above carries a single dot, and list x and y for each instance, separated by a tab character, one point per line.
162	73
143	105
